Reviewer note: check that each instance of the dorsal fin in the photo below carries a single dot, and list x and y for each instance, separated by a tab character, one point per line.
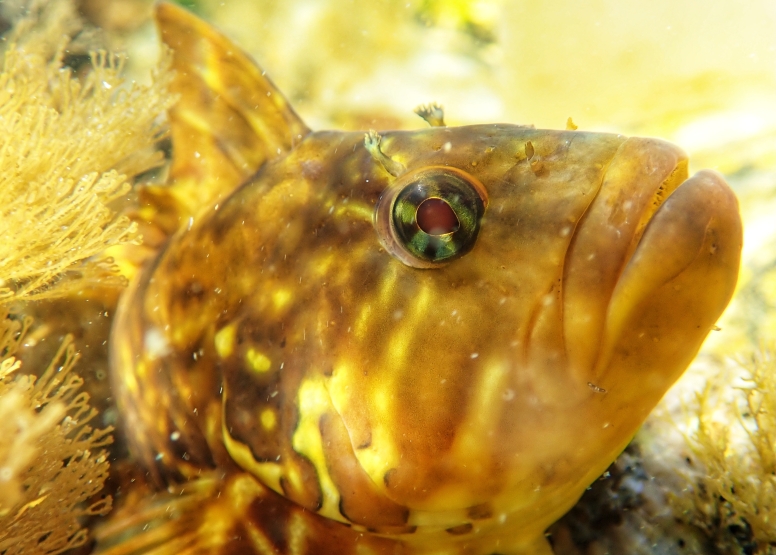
229	119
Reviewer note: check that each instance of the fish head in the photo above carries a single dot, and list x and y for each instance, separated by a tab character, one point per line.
493	352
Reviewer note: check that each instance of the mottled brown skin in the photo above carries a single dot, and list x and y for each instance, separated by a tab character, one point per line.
358	404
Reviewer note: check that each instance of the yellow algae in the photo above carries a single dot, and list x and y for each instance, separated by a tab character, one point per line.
74	145
52	462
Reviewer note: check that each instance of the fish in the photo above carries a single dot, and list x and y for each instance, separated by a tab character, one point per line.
413	341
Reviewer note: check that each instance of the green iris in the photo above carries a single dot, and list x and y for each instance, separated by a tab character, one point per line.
436	217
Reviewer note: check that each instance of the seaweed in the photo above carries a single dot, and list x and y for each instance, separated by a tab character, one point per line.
72	145
51	460
732	496
76	136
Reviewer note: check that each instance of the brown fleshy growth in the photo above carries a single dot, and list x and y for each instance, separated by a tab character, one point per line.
733	498
72	146
51	460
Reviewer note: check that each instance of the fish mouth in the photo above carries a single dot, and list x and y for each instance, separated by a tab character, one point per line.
651	266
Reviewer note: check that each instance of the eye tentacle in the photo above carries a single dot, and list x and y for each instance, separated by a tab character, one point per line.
372	143
433	113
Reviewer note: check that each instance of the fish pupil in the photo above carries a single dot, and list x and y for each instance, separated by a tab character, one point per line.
436	217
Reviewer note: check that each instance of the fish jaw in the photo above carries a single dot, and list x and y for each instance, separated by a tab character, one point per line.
642	173
652	264
678	281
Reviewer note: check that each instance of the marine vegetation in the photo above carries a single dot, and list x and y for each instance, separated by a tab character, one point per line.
77	142
72	144
52	462
733	483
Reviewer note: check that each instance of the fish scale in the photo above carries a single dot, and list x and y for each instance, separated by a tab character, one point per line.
327	382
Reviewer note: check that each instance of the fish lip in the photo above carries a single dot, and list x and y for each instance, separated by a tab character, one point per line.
695	231
641	175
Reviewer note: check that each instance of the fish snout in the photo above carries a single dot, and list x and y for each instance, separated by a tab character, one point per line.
653	263
679	279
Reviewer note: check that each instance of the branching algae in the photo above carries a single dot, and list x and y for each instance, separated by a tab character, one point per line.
69	148
52	462
418	342
732	481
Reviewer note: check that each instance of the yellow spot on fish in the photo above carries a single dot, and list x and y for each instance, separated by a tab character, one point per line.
281	298
323	264
355	210
268	419
224	340
257	361
363	318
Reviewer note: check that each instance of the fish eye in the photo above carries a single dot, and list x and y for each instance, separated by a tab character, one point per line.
431	216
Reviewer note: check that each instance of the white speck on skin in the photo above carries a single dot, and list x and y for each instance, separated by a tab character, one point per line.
474	355
447	146
156	343
175	436
565	231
